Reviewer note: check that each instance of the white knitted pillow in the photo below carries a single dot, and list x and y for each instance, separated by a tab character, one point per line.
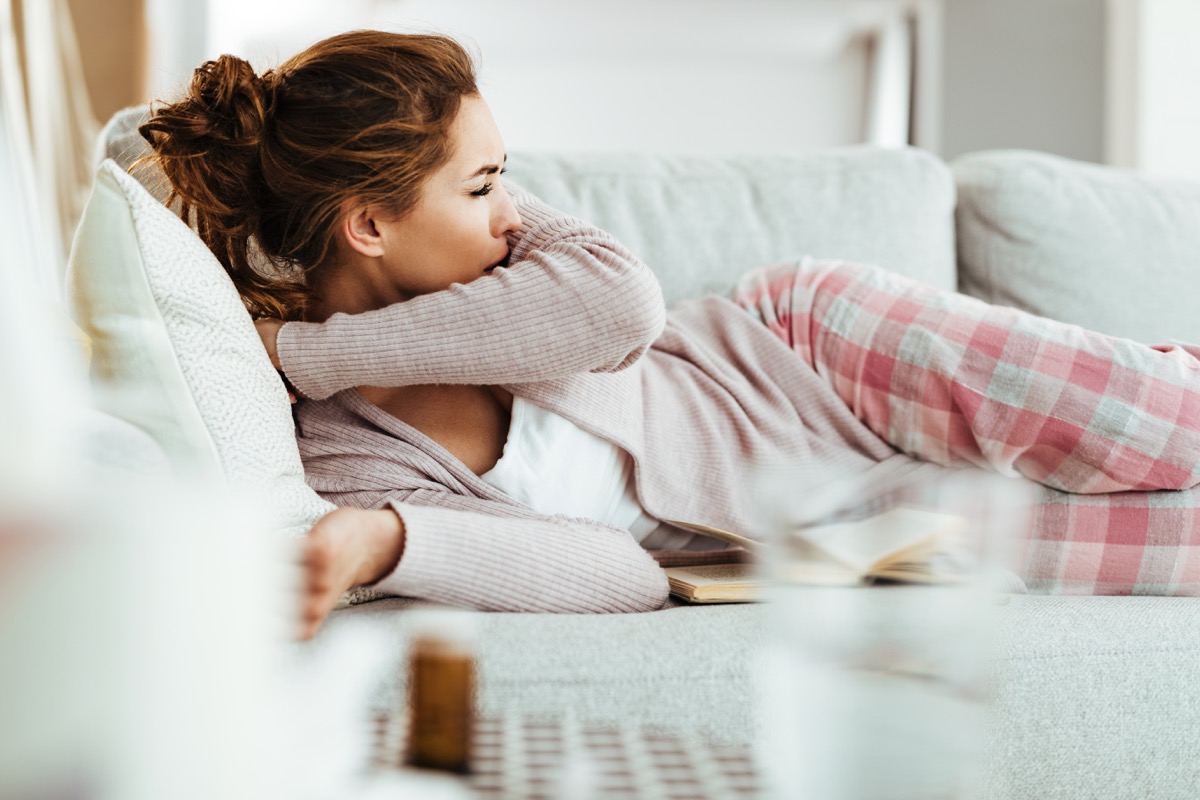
176	354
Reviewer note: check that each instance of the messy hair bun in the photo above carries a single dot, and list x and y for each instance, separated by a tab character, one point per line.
209	147
267	162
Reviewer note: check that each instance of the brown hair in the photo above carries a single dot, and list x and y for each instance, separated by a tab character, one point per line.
269	161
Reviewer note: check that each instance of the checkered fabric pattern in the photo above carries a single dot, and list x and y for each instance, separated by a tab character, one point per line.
1103	423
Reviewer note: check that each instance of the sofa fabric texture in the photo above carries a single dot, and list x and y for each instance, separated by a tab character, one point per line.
1094	697
1110	250
700	222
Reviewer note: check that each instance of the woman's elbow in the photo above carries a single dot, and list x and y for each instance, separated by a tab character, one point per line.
634	583
637	597
646	586
643	321
651	311
656	592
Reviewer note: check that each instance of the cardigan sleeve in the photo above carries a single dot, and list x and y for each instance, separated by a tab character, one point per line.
572	300
473	552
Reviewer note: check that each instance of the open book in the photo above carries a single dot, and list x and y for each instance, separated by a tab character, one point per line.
715	583
907	544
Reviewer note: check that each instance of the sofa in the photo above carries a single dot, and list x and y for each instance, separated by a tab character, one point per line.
1095	694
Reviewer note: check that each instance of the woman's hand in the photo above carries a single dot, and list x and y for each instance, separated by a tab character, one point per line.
347	547
268	331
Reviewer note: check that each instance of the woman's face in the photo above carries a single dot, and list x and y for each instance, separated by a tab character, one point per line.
457	231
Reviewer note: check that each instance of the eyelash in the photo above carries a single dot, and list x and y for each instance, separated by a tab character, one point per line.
486	189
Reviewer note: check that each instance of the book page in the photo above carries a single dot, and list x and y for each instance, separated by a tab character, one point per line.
717	533
715	583
707	574
902	534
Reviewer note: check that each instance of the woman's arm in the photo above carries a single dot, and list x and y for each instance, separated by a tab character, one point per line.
459	550
571	300
544	565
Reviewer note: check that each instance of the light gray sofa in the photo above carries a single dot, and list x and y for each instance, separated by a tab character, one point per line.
1096	696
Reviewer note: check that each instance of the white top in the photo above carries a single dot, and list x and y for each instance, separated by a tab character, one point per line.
555	467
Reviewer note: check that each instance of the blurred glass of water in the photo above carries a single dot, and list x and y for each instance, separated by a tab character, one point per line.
880	689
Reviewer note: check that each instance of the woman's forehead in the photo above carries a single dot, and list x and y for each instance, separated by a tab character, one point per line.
478	146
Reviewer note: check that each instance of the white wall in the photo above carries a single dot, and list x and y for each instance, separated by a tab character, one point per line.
178	35
1154	117
679	76
773	76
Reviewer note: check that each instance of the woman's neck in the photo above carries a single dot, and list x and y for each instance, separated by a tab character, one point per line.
348	288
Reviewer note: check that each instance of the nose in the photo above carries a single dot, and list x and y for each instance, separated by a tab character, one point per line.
505	217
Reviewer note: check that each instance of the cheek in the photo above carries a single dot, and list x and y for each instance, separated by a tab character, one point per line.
457	240
442	243
472	232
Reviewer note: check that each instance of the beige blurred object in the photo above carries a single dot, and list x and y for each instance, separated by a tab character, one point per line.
61	123
442	692
113	51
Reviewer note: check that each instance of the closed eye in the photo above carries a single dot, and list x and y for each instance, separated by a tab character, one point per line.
486	189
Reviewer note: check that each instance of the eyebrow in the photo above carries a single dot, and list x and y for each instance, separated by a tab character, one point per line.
490	169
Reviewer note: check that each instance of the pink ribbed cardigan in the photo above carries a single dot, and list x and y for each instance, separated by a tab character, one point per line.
575	324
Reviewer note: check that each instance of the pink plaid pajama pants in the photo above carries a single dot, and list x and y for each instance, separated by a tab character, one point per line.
1109	426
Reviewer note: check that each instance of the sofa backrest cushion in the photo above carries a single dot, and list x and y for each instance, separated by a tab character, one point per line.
699	222
1107	249
175	354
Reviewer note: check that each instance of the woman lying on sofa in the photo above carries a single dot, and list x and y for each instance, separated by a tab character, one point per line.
495	395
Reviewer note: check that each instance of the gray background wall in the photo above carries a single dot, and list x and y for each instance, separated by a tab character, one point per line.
1024	73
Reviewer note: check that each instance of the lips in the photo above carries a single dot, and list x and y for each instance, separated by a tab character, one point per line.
501	263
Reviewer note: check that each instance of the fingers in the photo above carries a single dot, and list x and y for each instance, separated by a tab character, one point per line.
268	332
314	605
319	590
291	390
329	560
345	548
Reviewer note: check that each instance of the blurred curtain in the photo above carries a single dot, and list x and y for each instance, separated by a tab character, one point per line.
49	130
29	246
40	375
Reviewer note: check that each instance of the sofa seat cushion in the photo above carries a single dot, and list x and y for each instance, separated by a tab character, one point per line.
1110	250
1085	686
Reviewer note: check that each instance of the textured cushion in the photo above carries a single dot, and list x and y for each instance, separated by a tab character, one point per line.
119	140
699	222
1110	250
176	355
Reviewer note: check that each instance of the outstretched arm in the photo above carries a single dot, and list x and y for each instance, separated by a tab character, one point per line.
455	549
572	300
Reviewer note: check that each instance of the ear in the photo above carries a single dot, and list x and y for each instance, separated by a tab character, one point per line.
362	231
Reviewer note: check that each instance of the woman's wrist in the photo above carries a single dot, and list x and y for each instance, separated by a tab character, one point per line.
385	545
